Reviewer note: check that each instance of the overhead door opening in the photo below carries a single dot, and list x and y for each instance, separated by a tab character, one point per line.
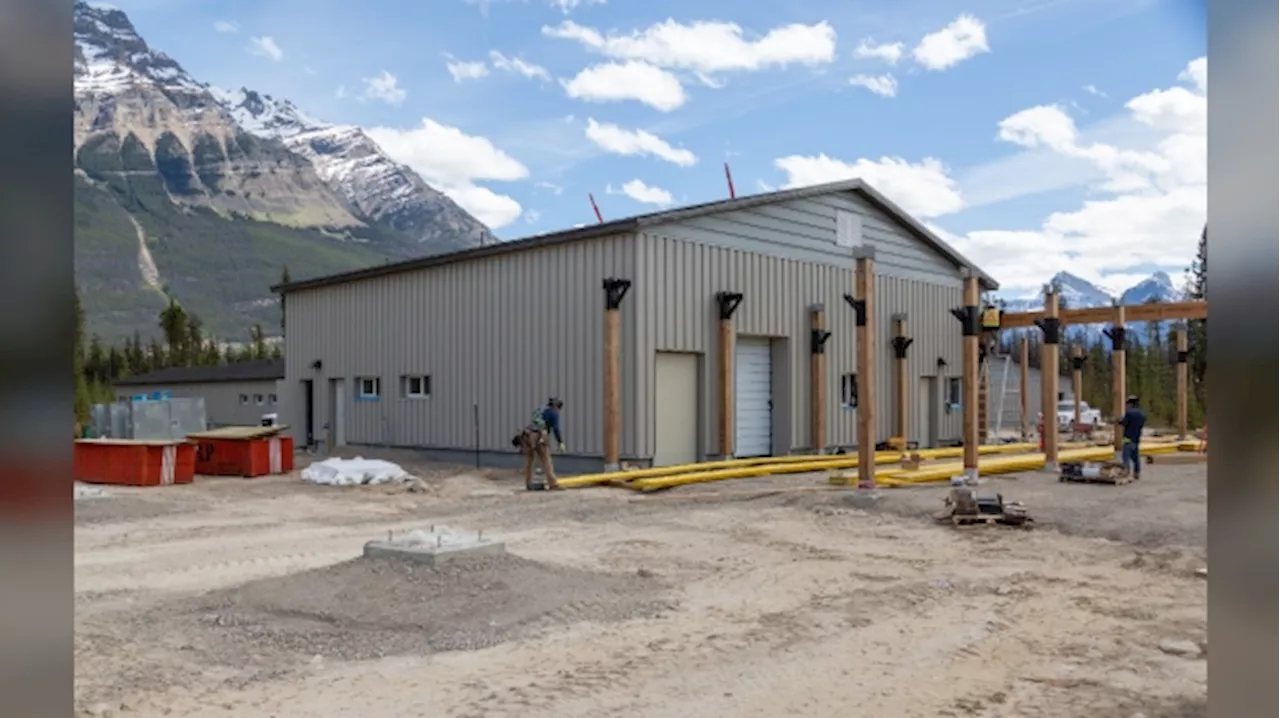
753	397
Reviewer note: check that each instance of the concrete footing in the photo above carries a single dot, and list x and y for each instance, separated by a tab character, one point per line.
438	545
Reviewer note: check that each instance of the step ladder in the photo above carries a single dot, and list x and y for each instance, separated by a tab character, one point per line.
1005	384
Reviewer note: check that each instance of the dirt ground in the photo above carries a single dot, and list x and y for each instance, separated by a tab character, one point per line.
762	597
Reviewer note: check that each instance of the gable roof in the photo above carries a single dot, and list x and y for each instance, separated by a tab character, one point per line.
642	221
256	370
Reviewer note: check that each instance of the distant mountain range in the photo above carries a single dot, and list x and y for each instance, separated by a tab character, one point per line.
1078	293
205	195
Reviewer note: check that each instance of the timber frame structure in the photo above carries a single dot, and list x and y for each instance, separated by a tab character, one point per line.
1051	320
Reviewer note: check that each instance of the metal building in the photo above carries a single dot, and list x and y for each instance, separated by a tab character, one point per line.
234	394
451	354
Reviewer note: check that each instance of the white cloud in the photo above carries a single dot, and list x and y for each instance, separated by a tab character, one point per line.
889	52
964	38
461	70
453	161
266	47
1093	90
518	66
708	47
765	186
532	216
643	193
1149	201
568	6
632	80
551	187
1197	73
385	87
924	189
226	26
883	85
620	141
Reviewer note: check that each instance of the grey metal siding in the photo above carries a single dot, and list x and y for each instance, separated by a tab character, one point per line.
501	333
222	405
676	311
805	230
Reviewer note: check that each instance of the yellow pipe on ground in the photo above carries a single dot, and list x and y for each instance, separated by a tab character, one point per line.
749	467
1014	464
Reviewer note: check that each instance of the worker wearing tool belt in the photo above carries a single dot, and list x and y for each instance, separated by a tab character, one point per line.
534	442
1131	424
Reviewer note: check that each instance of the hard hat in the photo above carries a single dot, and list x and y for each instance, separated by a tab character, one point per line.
553	401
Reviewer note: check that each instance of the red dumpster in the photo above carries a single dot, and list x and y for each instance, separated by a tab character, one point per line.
248	451
132	462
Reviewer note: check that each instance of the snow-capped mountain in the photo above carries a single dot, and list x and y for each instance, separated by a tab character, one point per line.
1078	293
1156	288
353	165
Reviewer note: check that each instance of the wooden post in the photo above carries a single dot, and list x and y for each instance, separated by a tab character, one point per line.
818	336
614	291
1049	378
864	307
970	330
1182	381
1024	356
727	303
1077	384
1117	336
901	342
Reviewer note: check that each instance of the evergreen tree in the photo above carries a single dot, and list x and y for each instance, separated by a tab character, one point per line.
173	323
117	365
156	359
195	341
284	279
135	358
95	363
81	401
258	343
1198	329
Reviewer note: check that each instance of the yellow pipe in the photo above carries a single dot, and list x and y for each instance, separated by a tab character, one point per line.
827	461
1014	464
666	482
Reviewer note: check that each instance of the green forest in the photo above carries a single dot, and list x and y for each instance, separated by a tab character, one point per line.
98	365
1150	360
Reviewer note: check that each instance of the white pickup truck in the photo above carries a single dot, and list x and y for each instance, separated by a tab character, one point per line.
1067	414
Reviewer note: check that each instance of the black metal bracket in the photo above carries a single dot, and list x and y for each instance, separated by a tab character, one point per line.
1077	363
1051	326
1116	335
614	291
818	341
859	309
728	303
1183	356
900	345
970	320
317	364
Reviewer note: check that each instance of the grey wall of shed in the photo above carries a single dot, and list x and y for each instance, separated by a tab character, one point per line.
221	399
784	258
1010	417
504	333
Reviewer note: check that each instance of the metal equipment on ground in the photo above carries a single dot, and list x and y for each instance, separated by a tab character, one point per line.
964	507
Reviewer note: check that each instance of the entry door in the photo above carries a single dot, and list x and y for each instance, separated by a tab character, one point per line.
676	390
927	402
753	398
309	405
338	411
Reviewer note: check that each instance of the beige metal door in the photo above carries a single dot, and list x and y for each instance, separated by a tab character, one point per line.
927	402
676	394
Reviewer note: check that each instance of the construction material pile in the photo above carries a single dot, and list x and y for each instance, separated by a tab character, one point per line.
354	472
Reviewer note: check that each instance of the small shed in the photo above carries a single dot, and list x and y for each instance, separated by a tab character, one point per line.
236	394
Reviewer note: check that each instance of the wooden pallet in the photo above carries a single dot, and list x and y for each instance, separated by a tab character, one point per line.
1115	479
960	520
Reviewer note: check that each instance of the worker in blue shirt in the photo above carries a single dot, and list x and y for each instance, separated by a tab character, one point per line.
1131	424
534	442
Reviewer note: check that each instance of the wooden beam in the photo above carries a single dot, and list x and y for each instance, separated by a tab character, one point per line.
864	293
970	331
1181	347
901	342
1077	385
726	304
1024	416
1117	335
818	336
614	291
1051	328
1160	311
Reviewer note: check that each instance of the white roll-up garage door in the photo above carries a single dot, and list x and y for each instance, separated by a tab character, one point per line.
753	398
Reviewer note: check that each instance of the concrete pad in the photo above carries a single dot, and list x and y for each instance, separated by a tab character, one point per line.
435	546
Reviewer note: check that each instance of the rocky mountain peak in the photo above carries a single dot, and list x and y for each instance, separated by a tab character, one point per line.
110	57
266	116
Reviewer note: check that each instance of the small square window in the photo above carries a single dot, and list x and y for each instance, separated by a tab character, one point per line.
953	390
244	400
368	387
271	399
417	386
849	391
848	228
259	399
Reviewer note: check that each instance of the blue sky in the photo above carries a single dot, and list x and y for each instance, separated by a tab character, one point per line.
641	103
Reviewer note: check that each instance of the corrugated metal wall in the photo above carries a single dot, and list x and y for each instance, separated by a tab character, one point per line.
679	313
502	333
222	403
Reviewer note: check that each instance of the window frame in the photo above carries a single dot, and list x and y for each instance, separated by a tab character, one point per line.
244	400
362	395
424	388
849	390
955	391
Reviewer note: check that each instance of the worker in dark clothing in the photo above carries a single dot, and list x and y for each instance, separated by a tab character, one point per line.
1131	424
535	439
